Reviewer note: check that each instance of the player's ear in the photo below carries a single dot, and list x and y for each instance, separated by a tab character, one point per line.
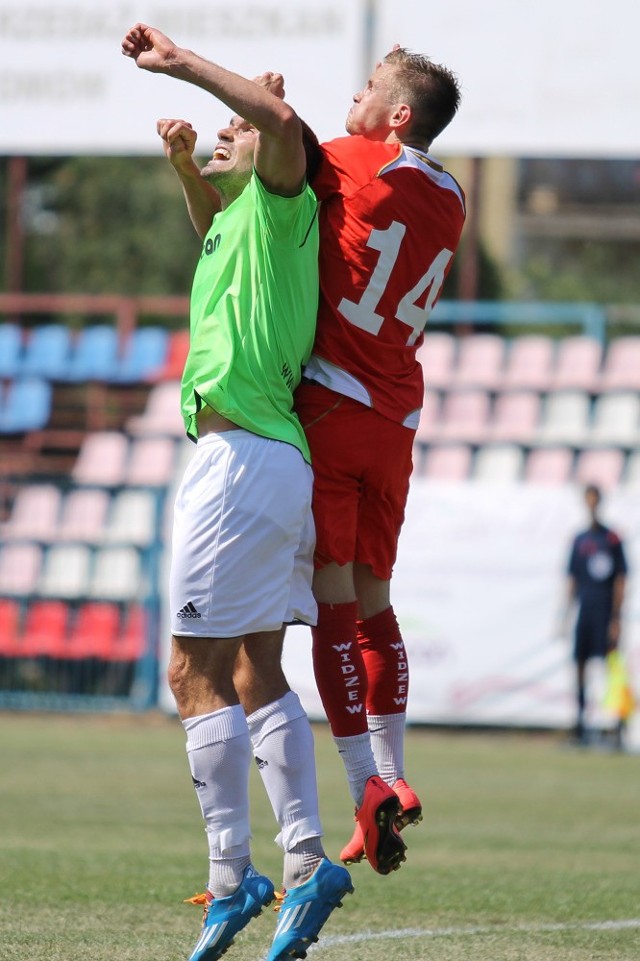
401	115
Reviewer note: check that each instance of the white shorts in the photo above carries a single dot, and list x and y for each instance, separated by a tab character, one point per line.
243	538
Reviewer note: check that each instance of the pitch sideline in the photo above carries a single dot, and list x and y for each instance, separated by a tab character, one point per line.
335	940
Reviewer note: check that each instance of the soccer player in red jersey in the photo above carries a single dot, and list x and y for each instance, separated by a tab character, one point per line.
390	222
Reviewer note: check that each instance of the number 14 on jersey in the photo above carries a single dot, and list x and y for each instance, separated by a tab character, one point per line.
363	314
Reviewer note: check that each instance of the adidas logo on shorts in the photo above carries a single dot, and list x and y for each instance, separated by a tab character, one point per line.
189	611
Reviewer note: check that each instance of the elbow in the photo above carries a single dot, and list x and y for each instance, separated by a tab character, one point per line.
289	123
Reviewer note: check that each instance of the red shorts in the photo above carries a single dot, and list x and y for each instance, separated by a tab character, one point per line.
361	467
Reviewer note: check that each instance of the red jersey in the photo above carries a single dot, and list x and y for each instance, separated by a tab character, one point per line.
390	221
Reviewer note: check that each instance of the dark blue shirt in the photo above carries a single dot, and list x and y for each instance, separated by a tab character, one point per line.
597	558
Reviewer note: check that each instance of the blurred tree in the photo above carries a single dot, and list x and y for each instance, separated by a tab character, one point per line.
490	284
603	272
107	225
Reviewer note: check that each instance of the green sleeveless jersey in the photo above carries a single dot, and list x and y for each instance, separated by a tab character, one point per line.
254	303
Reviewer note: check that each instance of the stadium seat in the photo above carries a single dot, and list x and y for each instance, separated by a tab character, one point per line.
133	518
603	467
65	571
84	651
84	515
36	648
447	462
10	351
498	464
465	417
102	459
480	362
34	515
95	355
45	629
132	641
616	419
47	352
621	370
429	418
162	412
437	356
578	361
10	616
117	575
130	645
529	363
20	566
145	351
26	406
177	351
565	419
516	417
94	631
549	465
151	461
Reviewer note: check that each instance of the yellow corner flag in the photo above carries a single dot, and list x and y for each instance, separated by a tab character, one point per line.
618	698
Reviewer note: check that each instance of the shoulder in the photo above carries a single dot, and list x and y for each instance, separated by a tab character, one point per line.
611	536
357	155
358	146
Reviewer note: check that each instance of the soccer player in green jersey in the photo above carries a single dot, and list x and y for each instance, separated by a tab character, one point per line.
242	548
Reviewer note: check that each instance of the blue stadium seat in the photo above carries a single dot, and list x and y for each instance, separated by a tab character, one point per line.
47	352
10	350
27	405
145	353
95	356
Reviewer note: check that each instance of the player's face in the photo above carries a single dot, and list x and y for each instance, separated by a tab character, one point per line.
233	154
372	106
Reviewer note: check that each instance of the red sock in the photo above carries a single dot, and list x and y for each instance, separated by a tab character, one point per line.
339	669
386	662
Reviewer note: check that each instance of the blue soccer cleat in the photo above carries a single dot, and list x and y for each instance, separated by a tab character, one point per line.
224	917
305	908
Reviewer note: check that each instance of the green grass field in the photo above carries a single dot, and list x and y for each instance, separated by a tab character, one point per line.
527	851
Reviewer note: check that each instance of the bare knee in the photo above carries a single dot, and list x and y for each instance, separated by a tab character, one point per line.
178	672
200	674
258	676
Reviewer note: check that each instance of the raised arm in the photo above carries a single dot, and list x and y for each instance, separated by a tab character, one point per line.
203	202
279	156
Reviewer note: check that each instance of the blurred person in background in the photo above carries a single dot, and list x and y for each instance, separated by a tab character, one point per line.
597	573
244	504
390	222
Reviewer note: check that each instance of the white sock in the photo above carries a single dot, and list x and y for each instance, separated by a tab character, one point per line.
283	747
359	762
219	753
387	742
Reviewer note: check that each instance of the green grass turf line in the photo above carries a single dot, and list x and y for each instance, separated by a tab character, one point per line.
524	845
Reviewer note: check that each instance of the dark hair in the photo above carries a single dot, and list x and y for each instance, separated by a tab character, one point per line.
430	89
311	149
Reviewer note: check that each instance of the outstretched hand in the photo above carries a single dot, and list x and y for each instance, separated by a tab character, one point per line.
150	48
